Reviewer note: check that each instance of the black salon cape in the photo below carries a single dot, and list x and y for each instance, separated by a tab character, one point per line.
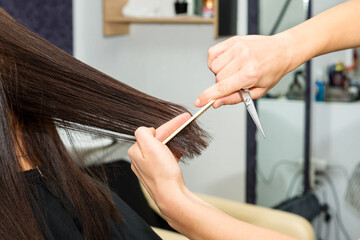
62	221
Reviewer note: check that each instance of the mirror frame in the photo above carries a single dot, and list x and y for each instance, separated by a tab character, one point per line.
251	145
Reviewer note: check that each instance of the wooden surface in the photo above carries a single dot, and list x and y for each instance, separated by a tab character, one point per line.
113	8
117	24
161	20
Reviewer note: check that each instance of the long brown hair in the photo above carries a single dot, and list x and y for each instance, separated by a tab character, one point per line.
41	88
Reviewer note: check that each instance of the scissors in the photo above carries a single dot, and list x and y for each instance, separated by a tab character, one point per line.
249	104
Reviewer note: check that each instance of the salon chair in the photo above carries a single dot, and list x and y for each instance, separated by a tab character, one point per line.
122	180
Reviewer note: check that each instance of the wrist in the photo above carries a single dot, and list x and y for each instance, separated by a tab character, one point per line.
289	49
301	43
165	195
170	199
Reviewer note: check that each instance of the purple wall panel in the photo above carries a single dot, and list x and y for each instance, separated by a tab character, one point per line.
50	19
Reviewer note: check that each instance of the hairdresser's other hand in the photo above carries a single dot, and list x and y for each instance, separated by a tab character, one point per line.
254	62
153	162
159	172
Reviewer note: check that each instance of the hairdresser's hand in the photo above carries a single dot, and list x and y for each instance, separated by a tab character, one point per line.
253	62
153	162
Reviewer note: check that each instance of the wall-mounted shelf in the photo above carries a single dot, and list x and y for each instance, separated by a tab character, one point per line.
115	23
161	20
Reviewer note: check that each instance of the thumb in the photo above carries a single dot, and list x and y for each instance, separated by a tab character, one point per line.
145	137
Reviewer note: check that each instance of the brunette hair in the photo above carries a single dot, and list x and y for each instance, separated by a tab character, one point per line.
41	88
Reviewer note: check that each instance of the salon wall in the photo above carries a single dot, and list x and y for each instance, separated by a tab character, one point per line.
169	61
335	141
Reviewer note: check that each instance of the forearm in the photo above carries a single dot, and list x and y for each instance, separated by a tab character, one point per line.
335	29
196	219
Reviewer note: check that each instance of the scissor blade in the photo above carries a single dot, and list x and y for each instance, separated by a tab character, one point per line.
250	106
252	111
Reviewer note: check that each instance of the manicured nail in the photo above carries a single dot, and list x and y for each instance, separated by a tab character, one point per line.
197	102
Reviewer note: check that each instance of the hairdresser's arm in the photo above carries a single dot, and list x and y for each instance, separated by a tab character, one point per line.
259	62
159	172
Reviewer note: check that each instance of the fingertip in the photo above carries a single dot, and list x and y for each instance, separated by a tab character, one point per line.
185	116
169	127
138	131
180	119
197	102
217	104
146	140
144	130
202	99
152	130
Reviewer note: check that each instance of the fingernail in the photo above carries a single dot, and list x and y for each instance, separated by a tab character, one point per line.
197	102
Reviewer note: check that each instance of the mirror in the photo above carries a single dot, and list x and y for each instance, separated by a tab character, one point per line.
280	156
